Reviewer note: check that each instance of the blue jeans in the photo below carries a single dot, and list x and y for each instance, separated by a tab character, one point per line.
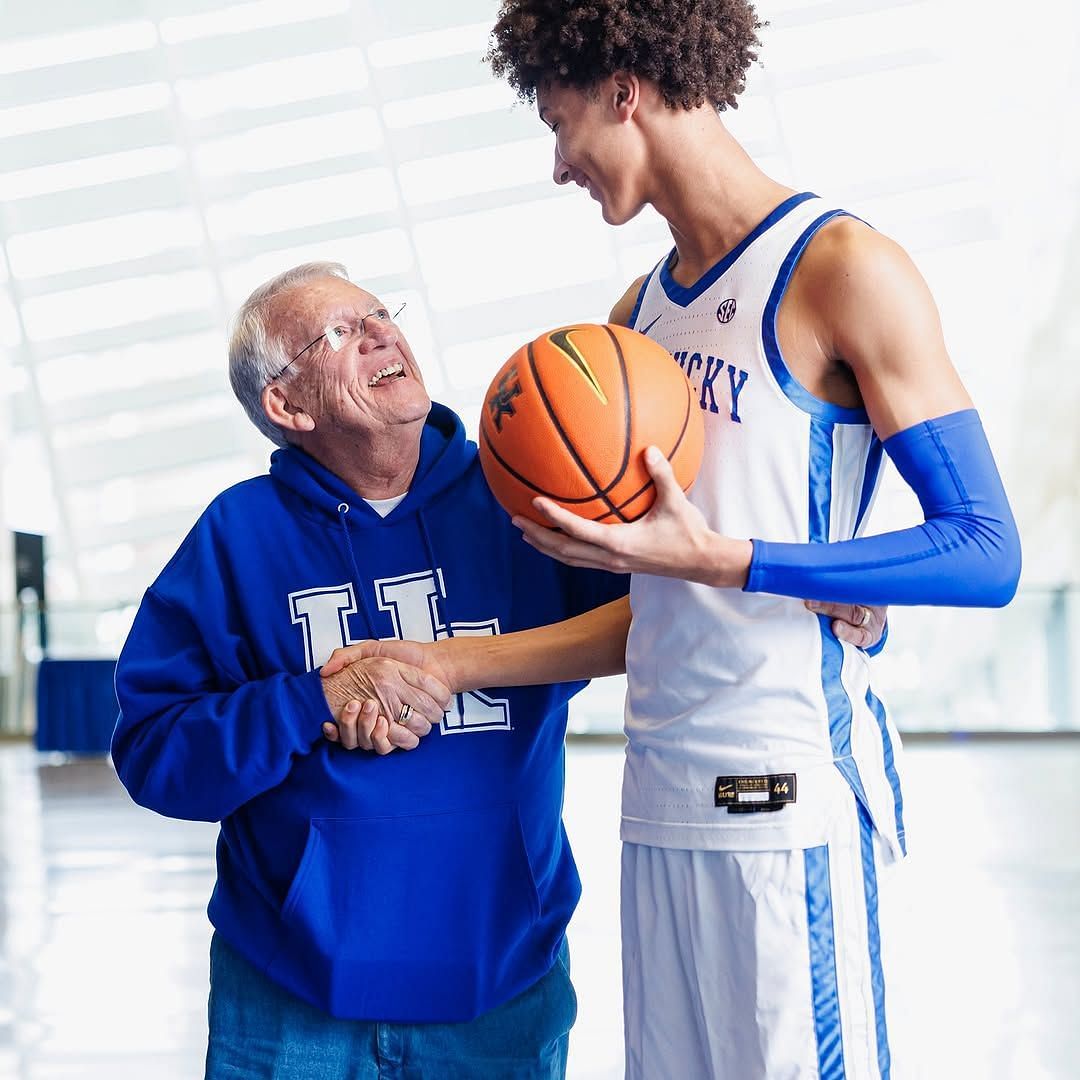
258	1031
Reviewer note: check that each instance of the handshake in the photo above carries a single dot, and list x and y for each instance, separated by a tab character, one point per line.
387	695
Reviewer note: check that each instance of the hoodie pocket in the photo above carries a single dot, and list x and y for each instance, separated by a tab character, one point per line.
399	916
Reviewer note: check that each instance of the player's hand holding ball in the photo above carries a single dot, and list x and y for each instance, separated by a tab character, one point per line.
564	435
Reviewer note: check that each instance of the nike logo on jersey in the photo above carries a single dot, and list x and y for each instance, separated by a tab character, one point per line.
651	325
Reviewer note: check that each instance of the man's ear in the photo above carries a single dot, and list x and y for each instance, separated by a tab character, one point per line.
625	90
283	412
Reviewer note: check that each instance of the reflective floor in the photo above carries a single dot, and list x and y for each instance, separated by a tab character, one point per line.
102	918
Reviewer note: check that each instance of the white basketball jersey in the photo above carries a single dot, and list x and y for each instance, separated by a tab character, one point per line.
730	692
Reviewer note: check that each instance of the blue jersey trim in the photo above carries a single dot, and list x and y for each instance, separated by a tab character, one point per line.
876	707
832	651
684	295
870	478
873	937
793	390
822	938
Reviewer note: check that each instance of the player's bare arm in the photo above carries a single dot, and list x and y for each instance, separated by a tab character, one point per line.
585	647
873	315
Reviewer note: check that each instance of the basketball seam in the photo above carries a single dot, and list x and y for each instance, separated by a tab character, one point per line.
527	482
565	438
678	442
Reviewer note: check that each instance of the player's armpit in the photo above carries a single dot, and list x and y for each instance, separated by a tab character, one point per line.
624	308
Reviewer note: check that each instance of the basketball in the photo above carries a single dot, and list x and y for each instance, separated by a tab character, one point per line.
570	415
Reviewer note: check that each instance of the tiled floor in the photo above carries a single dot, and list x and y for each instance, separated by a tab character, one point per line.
102	918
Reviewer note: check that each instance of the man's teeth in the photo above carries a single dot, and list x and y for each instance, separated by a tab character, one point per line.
393	369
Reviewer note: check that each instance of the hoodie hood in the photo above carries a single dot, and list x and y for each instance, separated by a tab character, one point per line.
445	455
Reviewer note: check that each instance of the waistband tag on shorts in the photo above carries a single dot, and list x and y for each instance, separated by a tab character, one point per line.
752	794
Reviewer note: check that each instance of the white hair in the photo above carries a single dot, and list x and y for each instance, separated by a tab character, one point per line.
256	355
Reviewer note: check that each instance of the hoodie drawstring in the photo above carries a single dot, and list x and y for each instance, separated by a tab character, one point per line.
361	596
343	509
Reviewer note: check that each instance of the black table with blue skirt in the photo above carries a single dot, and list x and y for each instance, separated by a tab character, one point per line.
76	705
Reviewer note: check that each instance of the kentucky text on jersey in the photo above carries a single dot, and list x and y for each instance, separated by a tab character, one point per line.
711	368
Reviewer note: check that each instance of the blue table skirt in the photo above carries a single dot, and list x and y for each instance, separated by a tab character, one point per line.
76	705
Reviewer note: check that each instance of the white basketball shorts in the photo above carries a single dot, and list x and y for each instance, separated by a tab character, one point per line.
760	965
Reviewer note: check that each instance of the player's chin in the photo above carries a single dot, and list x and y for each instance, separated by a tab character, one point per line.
616	214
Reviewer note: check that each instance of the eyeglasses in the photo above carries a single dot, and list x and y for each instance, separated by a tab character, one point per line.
340	335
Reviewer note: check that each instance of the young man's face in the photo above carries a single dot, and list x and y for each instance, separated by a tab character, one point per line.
592	146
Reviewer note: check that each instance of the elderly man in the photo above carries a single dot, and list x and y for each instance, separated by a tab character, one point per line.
395	915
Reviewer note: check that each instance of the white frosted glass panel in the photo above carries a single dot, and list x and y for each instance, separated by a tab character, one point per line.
29	505
513	251
26	53
10	334
276	146
471	171
371	255
162	492
293	206
882	108
98	243
884	29
194	486
79	311
79	374
84	172
473	364
429	45
83	109
239	18
127	424
431	108
117	500
300	78
109	560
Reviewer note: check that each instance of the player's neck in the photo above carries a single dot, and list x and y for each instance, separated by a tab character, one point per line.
711	198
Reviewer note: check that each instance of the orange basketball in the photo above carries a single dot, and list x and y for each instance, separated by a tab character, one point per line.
570	414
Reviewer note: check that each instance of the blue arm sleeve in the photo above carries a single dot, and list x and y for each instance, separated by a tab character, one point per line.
193	743
965	554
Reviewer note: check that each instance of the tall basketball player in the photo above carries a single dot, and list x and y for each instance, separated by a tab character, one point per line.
762	800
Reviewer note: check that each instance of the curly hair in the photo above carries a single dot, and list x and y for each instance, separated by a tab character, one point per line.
694	50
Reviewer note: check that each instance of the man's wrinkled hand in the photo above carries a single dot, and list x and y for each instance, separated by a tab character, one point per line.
857	624
382	704
358	726
415	653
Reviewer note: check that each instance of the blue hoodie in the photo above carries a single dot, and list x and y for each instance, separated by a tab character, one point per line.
431	885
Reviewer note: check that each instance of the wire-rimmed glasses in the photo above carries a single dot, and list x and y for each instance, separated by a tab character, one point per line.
340	333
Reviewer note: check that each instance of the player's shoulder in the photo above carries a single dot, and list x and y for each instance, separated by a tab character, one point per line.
849	254
851	275
624	306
